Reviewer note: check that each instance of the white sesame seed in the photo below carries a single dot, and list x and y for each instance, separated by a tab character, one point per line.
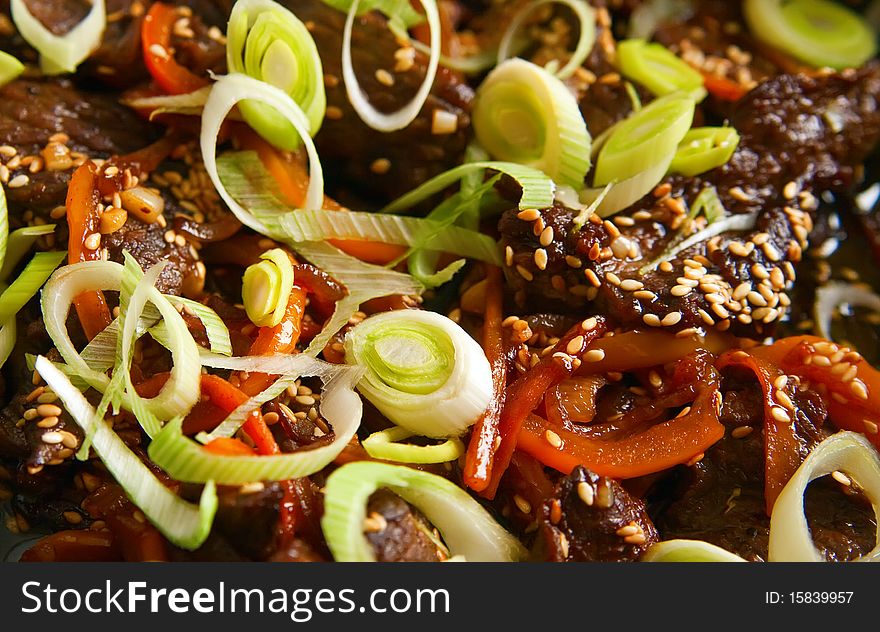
841	478
631	285
541	259
652	320
741	431
780	415
522	504
585	493
529	215
680	290
575	345
593	355
859	389
52	438
672	318
18	181
553	439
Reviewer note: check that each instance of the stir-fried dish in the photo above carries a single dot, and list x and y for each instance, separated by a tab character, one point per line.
440	280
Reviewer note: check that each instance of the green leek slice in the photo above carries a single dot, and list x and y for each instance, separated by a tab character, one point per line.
703	149
423	371
647	138
847	452
524	114
466	527
269	43
266	288
184	524
817	32
10	68
61	53
688	551
386	444
586	17
658	69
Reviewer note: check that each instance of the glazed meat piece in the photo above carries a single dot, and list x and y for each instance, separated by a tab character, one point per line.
720	499
32	112
398	532
593	518
117	62
376	163
24	421
800	135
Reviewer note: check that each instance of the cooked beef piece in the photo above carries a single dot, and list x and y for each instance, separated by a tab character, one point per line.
732	281
31	111
720	499
96	125
249	522
147	244
376	163
117	62
21	435
593	518
398	532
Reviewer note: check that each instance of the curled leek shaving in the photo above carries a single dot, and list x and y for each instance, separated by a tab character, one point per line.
60	53
703	149
688	551
359	101
524	114
182	389
184	524
831	296
658	69
266	288
847	452
10	68
586	17
817	32
269	43
386	444
467	529
186	460
423	371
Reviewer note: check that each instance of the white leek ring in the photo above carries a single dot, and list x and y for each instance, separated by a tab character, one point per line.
848	452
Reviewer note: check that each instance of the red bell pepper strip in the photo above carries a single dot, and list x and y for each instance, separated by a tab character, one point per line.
281	338
84	220
156	31
853	384
481	448
782	447
292	178
227	397
524	395
644	349
74	546
227	446
659	447
723	88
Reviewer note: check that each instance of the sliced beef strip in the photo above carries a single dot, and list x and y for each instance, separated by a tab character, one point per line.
97	127
592	518
33	111
118	61
740	281
720	499
350	148
21	437
398	532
